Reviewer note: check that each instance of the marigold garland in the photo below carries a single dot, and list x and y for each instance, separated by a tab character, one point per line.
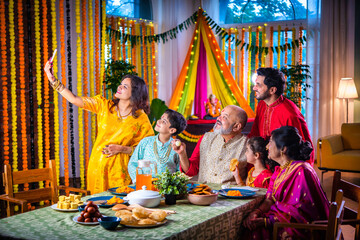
128	29
155	82
149	70
286	48
123	57
133	48
242	62
145	76
97	57
4	83
300	44
263	43
56	97
191	137
237	59
64	102
38	88
91	69
46	87
271	54
14	145
22	89
257	46
79	92
249	68
103	43
138	51
278	50
229	49
293	49
85	69
113	40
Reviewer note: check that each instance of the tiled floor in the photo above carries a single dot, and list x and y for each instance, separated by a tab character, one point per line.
348	231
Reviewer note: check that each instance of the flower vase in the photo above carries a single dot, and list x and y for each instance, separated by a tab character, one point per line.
170	199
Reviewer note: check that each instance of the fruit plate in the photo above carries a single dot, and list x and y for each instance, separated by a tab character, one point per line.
244	193
85	223
101	201
113	191
146	226
54	206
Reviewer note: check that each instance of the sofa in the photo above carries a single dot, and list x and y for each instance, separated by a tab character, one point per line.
340	151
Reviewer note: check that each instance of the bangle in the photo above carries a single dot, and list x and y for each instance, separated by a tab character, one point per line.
132	150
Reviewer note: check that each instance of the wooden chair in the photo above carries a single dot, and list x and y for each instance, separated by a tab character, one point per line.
331	226
22	198
351	191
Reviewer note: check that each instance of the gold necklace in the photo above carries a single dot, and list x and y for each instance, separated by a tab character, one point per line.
277	182
119	114
162	159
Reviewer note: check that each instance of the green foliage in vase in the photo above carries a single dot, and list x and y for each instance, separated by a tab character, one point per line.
172	183
296	86
115	71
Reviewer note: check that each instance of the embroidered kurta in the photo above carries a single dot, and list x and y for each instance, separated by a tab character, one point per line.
298	198
261	181
212	160
283	112
106	172
166	157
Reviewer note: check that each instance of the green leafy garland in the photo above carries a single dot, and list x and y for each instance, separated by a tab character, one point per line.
172	34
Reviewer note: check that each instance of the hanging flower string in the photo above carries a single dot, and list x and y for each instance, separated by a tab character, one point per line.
85	71
242	65
249	68
271	54
38	87
24	154
56	96
64	102
293	49
97	55
149	70
46	105
91	64
278	52
79	92
14	145
138	51
103	28
191	137
155	83
4	83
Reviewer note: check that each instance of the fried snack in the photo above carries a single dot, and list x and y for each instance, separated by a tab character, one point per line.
202	189
233	164
147	221
123	213
140	212
158	215
124	189
234	193
118	207
127	219
114	200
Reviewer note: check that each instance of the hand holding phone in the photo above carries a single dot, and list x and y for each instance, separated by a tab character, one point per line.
53	56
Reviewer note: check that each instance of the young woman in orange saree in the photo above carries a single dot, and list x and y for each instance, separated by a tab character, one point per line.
122	123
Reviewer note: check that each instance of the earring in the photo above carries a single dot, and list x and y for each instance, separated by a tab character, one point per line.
281	153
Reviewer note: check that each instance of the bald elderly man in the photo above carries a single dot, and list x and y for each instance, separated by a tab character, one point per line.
214	151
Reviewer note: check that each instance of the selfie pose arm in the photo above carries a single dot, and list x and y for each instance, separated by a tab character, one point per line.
58	86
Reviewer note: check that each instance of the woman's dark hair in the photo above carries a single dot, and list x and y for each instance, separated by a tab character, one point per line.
273	78
139	95
176	120
289	137
258	145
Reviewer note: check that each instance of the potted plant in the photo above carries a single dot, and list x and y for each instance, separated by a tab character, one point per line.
115	71
171	185
296	85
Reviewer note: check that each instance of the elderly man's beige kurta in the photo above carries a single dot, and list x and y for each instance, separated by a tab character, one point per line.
215	157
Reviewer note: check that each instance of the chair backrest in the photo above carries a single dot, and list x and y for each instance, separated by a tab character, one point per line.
350	134
351	191
336	214
11	178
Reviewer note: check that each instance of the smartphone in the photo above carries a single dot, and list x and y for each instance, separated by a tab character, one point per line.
53	56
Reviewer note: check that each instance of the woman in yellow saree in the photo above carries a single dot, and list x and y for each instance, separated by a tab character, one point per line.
121	122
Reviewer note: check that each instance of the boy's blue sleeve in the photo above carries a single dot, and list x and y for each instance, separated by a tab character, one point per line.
138	154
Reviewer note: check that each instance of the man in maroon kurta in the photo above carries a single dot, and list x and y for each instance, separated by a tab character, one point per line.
275	110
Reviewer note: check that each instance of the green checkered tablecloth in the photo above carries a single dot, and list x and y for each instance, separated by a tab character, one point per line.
220	220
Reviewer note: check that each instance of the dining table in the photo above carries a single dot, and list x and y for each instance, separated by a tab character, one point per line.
220	220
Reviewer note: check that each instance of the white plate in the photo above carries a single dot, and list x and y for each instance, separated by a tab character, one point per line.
146	226
54	206
85	223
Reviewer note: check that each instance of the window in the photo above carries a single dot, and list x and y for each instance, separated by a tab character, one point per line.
129	8
247	11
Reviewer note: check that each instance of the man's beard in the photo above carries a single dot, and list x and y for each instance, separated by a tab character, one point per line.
223	131
263	96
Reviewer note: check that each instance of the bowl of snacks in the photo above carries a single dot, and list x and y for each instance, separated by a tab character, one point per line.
109	223
202	195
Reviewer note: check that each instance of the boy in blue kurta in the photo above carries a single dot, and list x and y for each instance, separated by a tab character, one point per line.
158	148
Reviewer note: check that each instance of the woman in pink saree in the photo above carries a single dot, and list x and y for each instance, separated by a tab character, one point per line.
294	194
